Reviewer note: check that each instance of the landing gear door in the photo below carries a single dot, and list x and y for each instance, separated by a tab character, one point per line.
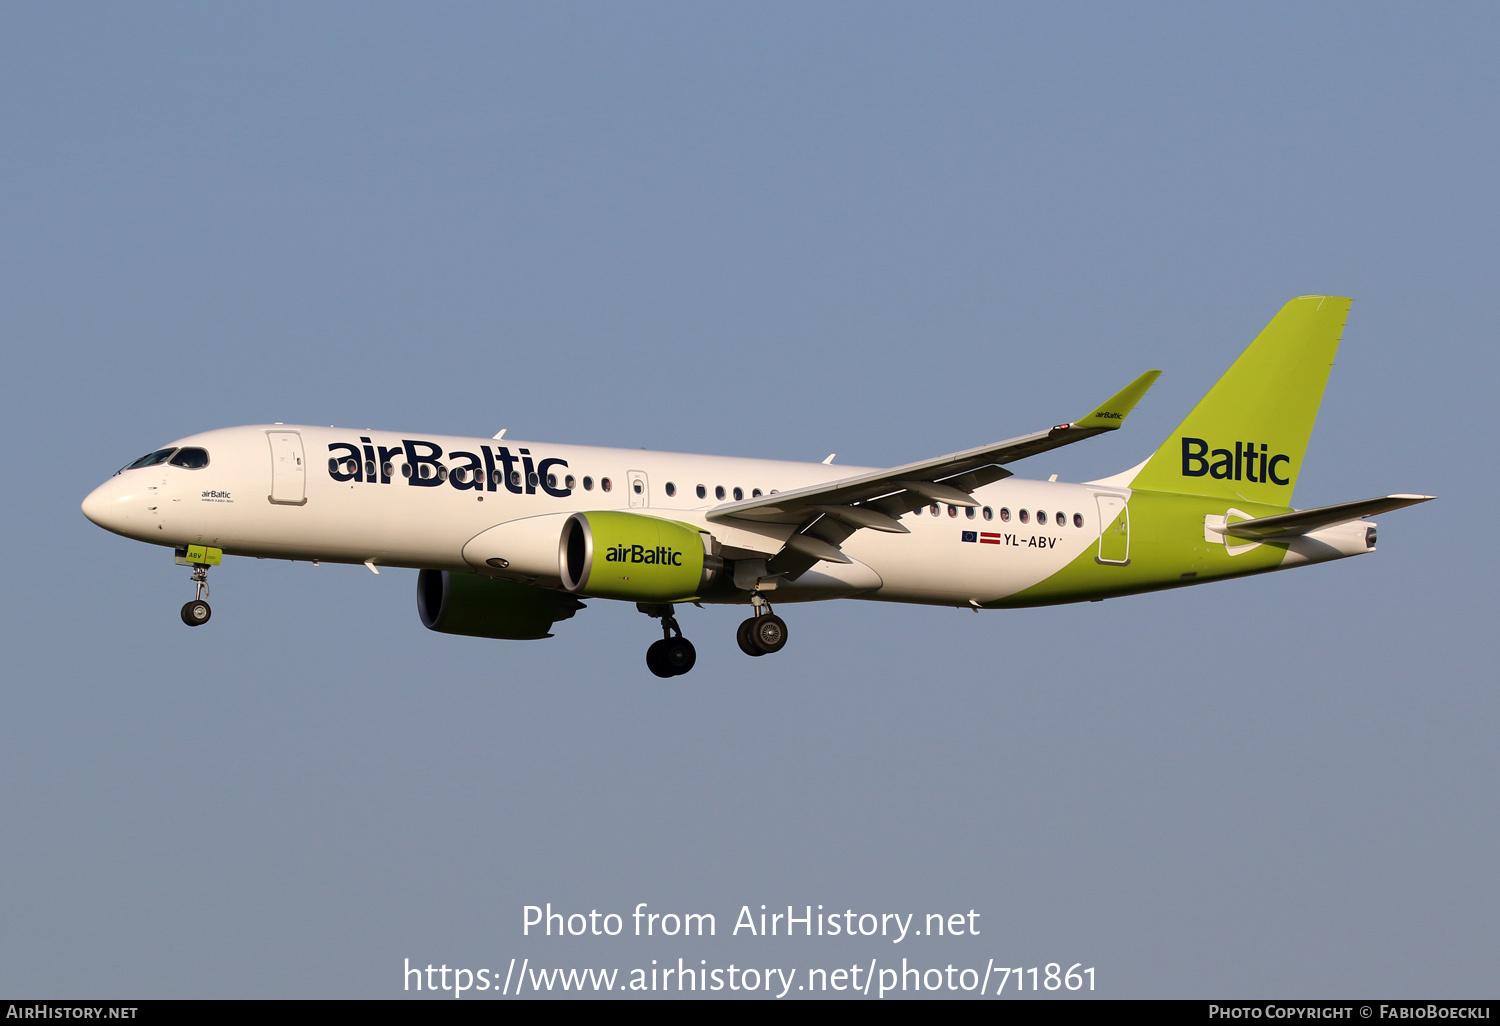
640	489
288	468
1114	530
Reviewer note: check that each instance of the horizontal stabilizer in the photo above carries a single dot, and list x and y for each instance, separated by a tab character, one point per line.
1286	525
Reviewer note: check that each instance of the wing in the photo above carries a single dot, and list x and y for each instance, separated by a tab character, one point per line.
1286	525
826	514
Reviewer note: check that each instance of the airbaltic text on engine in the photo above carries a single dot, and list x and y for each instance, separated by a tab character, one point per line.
661	555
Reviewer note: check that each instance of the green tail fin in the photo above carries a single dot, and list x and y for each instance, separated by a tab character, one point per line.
1246	438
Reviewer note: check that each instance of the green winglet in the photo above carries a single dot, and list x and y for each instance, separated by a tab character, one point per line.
1112	412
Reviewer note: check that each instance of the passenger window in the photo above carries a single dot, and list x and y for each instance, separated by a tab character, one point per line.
933	509
637	487
1060	519
515	477
569	482
388	469
755	494
551	480
739	493
588	484
370	469
1077	519
1024	516
196	459
1005	514
989	514
702	492
671	489
718	491
605	484
1041	516
953	511
969	512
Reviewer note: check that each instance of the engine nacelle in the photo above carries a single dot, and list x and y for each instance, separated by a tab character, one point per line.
617	555
482	607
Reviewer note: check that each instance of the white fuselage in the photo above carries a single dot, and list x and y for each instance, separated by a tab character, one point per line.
418	501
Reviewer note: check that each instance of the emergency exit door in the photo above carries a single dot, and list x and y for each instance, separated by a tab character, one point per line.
640	489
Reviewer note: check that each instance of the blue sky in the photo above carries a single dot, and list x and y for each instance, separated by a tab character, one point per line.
775	230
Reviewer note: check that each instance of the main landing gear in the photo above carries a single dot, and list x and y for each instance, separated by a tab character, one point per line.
763	633
673	655
197	612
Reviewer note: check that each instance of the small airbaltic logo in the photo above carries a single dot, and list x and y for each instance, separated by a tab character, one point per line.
1246	463
661	555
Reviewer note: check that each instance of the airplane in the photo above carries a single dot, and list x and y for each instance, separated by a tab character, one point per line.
509	537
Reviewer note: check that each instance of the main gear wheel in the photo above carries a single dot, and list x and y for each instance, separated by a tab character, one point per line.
762	635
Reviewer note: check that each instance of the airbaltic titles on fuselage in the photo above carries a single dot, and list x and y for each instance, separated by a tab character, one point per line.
424	467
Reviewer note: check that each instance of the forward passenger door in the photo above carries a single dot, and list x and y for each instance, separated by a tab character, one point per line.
288	469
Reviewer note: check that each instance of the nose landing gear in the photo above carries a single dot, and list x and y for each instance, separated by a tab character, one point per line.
763	633
197	612
673	655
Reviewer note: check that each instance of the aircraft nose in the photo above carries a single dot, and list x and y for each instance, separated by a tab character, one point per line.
108	505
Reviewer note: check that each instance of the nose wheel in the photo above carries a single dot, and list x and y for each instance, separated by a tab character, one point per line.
673	655
763	633
197	612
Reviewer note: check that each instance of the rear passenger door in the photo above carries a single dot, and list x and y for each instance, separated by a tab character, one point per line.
1114	530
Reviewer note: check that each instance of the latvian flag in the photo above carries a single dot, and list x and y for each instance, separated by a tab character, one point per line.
982	537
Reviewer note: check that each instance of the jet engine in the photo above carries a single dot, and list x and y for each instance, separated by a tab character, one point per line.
483	607
638	558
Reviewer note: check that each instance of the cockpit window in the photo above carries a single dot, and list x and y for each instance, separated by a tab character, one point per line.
191	458
151	459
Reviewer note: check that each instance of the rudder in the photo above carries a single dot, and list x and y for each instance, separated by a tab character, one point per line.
1246	438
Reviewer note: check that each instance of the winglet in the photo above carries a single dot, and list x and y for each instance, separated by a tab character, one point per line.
1112	412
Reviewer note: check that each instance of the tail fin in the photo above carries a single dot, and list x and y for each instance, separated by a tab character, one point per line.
1246	438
